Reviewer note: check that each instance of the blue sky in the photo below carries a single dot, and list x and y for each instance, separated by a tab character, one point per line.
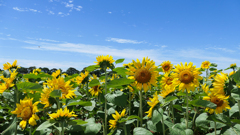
72	33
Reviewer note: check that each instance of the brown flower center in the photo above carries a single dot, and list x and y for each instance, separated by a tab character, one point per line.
218	102
166	67
26	113
95	88
169	81
186	76
142	75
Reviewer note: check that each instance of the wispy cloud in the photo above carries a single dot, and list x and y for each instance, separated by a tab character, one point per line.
110	12
26	9
220	49
119	40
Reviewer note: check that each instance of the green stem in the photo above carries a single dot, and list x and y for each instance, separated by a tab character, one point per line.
130	95
195	114
187	109
234	130
239	107
163	127
62	132
215	127
16	101
140	108
30	131
172	111
207	75
125	129
105	122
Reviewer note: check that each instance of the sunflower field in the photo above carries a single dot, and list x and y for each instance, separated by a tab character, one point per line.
138	98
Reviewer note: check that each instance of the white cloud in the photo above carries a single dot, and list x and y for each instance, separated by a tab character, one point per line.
109	12
51	12
118	40
221	49
70	1
19	9
26	9
8	35
60	13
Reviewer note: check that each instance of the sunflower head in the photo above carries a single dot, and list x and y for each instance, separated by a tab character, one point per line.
167	90
231	73
220	101
205	65
96	90
166	66
62	114
166	80
56	73
219	83
143	73
153	102
7	65
36	71
27	111
186	76
233	65
116	116
105	62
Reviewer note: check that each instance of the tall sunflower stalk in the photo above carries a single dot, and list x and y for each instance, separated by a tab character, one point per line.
105	108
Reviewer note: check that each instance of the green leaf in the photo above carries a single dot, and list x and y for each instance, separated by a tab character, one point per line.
203	103
56	93
234	109
28	86
120	71
92	127
117	98
202	122
119	61
213	65
231	130
178	107
141	131
159	69
90	108
77	122
220	118
236	76
133	117
212	69
181	93
157	115
170	98
82	103
92	68
45	125
189	132
119	82
177	129
11	129
8	95
94	82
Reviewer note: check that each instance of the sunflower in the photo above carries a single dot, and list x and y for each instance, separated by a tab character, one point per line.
143	73
166	80
8	82
167	90
56	73
205	65
166	66
153	102
27	111
62	114
56	84
95	90
231	73
233	65
104	61
218	99
36	71
7	65
186	76
219	83
83	78
116	116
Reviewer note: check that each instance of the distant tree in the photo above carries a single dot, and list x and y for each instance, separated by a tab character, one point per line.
44	69
71	71
22	70
52	70
30	69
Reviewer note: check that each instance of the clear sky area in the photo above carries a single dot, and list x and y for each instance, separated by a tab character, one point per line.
72	33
